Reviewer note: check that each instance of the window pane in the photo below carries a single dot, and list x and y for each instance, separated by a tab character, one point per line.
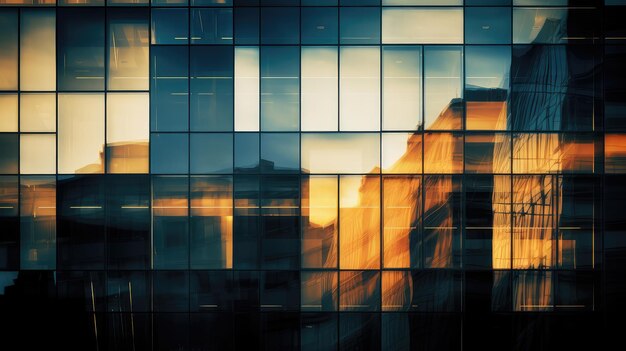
212	26
9	220
360	88
9	148
80	58
442	220
247	226
122	284
360	291
340	153
8	50
319	291
402	211
247	25
8	113
437	291
169	153
402	153
443	153
443	87
280	88
128	132
280	153
319	216
553	153
212	88
128	221
38	222
280	25
577	221
38	49
169	88
562	95
487	222
170	26
359	25
80	222
319	25
280	222
402	88
211	222
534	221
422	25
247	152
128	49
487	153
487	25
247	88
170	210
38	154
81	133
211	153
320	89
38	112
211	291
487	86
170	291
359	226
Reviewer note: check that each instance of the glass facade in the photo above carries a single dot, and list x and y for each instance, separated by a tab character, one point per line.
313	174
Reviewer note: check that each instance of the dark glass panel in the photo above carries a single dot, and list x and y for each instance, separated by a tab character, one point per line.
212	26
170	291
553	87
128	221
129	291
359	331
319	25
359	25
246	225
170	222
169	89
80	222
80	49
280	291
211	291
280	221
212	69
9	222
82	290
280	25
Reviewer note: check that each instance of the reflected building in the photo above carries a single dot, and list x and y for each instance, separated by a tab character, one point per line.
312	175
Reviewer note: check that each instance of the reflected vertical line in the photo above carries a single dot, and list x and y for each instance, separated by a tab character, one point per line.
93	309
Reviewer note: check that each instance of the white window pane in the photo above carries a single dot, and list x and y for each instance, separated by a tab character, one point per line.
247	89
402	88
128	132
38	154
422	25
81	133
38	112
360	88
38	50
319	89
340	153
